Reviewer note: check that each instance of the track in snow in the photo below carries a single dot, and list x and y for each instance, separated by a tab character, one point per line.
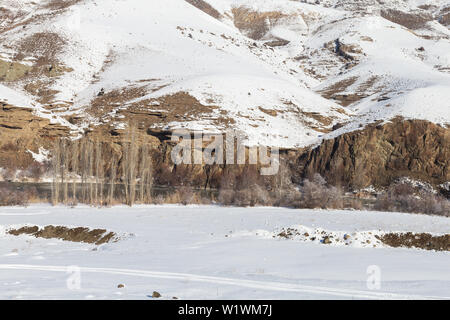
262	285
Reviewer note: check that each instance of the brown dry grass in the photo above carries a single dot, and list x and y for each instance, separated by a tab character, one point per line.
44	46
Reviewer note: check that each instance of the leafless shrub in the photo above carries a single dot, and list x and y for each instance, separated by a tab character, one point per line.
158	199
289	198
9	196
163	174
9	174
243	188
36	171
33	172
186	195
403	197
316	194
226	196
56	164
355	204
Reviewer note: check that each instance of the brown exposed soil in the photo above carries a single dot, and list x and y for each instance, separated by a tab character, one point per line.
334	92
105	102
412	21
155	112
60	4
95	236
424	241
416	240
277	43
44	46
205	7
272	113
177	107
253	23
324	121
37	78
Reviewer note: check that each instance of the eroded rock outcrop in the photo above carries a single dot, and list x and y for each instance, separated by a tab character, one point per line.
21	130
375	155
378	154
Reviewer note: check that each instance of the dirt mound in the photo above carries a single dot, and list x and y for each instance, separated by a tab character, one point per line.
369	239
417	240
80	234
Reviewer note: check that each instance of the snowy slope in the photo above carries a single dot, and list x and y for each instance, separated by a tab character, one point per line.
277	94
216	253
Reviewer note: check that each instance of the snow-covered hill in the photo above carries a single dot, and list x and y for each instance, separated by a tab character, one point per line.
284	72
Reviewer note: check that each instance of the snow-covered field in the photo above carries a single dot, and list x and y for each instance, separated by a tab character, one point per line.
211	252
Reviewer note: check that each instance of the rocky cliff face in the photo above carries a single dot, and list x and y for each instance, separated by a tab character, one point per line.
375	155
21	130
378	154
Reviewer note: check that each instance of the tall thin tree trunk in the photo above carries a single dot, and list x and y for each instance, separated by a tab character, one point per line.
142	172
112	178
149	178
55	169
75	151
133	158
65	170
125	172
83	169
97	171
99	174
91	171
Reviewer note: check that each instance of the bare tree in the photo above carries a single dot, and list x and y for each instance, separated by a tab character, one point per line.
64	169
112	178
83	168
56	161
98	173
145	175
129	161
75	162
90	153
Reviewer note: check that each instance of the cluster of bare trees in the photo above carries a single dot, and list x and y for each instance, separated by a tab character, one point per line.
93	172
88	171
